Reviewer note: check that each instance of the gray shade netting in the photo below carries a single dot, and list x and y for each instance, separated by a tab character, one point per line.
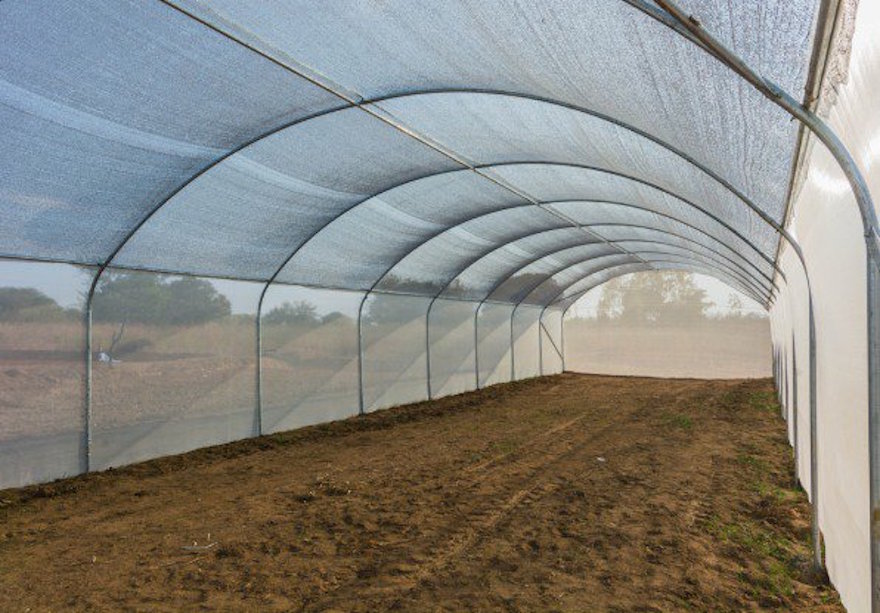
298	185
385	202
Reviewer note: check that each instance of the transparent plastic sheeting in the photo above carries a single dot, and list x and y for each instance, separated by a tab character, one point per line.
826	222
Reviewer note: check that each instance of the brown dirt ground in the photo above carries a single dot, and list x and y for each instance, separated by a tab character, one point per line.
568	493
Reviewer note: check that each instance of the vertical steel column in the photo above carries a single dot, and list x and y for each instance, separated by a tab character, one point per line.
360	345
794	407
259	416
562	337
86	454
814	446
541	343
477	345
428	345
873	263
86	460
512	341
258	426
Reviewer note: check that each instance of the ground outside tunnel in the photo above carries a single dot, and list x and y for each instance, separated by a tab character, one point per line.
568	493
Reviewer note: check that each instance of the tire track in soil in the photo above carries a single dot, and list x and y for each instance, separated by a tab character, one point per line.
476	524
539	487
613	436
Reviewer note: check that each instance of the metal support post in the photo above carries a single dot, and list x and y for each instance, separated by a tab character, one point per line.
794	407
477	346
873	262
360	347
428	346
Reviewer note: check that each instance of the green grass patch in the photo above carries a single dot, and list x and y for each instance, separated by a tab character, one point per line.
679	421
502	447
777	567
763	401
753	464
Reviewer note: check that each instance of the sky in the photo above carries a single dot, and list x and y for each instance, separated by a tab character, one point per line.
67	284
718	293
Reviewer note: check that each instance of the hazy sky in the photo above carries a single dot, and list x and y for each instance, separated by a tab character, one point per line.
718	293
67	284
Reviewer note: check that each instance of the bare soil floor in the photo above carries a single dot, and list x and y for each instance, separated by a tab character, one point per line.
569	493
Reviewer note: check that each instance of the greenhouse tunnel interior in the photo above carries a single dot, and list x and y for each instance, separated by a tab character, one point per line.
224	219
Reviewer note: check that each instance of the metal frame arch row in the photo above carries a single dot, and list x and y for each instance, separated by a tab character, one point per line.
540	203
639	180
772	289
682	261
489	252
352	102
741	284
550	203
544	255
568	266
768	289
545	203
754	283
362	103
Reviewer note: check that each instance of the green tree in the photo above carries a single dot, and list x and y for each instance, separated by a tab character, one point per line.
153	299
27	303
667	298
296	313
335	316
394	309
